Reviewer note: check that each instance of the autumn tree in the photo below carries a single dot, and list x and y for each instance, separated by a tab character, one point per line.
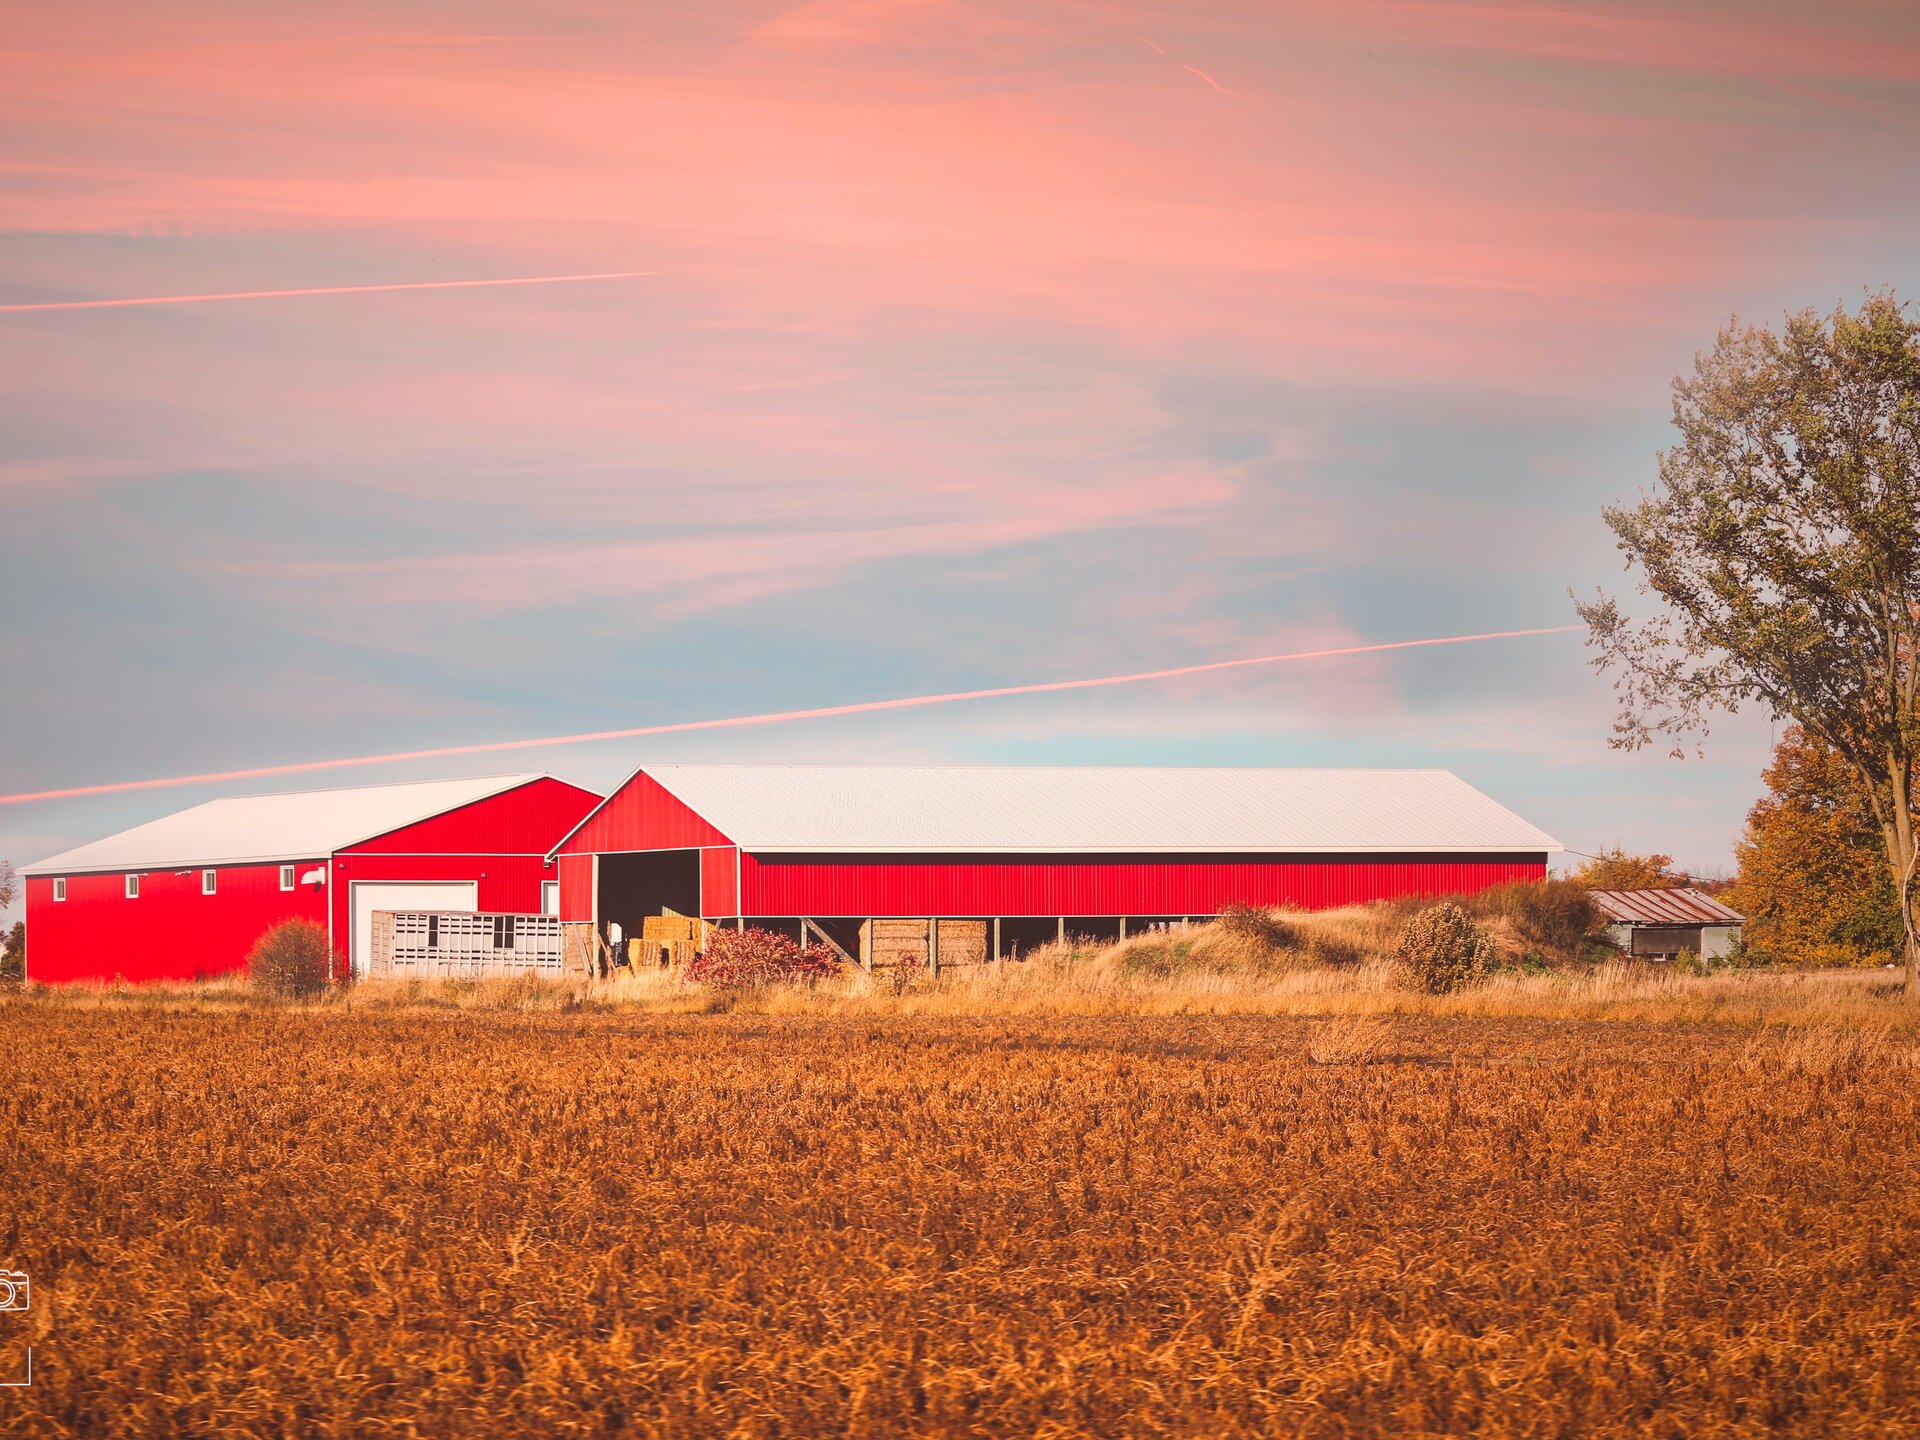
13	949
1614	869
1782	546
1813	882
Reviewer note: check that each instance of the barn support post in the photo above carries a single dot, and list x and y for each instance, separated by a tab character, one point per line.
1123	927
933	947
996	939
333	950
1061	934
600	953
820	934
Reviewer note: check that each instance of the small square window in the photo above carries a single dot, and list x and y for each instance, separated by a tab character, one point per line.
209	881
286	877
133	887
60	888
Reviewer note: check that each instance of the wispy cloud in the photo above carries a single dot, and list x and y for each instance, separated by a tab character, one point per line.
136	302
986	336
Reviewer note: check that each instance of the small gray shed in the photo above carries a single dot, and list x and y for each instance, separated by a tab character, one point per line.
1659	924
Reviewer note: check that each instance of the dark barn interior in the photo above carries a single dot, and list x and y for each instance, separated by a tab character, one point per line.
640	883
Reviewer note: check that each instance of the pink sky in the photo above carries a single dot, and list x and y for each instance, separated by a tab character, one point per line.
1386	187
985	343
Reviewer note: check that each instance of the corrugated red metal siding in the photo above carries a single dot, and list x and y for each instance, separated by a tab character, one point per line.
642	815
777	885
718	874
171	932
576	886
527	820
499	843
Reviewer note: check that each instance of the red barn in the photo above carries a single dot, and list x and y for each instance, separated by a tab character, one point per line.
1041	850
188	894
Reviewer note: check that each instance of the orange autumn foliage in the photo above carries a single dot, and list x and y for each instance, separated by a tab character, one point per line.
1615	869
1813	877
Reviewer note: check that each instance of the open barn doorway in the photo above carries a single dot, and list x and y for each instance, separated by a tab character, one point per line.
640	883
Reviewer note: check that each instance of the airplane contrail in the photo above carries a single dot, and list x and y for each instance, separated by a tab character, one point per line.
1196	70
321	290
1159	49
862	707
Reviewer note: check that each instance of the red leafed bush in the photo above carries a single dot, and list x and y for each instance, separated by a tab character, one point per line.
745	959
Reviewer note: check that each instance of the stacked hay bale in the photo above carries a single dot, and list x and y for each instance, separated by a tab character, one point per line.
922	944
670	940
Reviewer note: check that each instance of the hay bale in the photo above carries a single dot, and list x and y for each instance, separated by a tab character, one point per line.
963	942
885	944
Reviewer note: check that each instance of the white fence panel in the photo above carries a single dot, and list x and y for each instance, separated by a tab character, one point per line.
439	944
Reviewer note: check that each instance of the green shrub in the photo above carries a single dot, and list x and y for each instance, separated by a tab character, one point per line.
1740	956
1443	948
291	960
1687	963
13	953
1157	958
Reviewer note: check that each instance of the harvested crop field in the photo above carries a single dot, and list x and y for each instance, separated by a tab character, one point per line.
260	1220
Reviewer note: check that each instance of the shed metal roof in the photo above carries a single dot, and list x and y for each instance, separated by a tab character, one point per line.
1680	906
893	809
260	829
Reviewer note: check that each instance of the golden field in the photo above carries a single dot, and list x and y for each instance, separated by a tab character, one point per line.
1078	1198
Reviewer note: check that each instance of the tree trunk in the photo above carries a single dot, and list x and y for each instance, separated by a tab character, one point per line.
1901	858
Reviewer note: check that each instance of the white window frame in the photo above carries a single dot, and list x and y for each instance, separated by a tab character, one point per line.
133	886
59	887
209	882
287	881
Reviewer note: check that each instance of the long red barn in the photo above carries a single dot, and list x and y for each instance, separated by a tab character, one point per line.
1080	848
187	895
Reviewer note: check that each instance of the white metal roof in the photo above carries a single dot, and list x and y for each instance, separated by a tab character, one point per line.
258	829
997	810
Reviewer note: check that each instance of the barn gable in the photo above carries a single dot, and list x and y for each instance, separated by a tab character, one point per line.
642	814
522	819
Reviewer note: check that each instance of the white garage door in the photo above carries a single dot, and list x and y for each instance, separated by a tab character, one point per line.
372	895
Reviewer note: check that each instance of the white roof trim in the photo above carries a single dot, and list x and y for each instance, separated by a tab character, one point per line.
275	829
992	810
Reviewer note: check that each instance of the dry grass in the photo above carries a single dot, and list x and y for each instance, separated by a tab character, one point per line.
1323	963
550	1214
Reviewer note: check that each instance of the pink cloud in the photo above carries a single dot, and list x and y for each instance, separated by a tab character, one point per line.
953	157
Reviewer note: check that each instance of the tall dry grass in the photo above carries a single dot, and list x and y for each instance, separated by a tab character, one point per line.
1333	962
